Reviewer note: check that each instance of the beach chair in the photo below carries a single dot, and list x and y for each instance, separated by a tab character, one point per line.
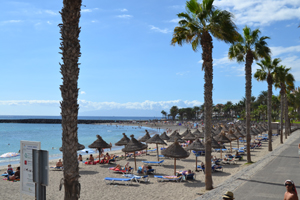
152	150
217	168
140	171
168	178
145	178
126	181
54	168
154	162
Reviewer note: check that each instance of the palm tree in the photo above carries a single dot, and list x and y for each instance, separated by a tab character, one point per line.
197	25
266	73
164	113
283	80
174	112
250	47
70	46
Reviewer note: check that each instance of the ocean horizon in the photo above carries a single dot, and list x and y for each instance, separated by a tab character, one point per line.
81	117
50	134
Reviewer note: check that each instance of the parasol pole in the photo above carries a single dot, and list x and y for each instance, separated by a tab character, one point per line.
157	152
221	152
238	143
134	160
230	147
196	163
174	166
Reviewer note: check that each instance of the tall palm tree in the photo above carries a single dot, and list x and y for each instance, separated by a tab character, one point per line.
250	47
266	73
197	25
174	112
283	80
70	46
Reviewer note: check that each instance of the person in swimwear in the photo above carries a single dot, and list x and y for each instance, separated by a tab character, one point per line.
291	192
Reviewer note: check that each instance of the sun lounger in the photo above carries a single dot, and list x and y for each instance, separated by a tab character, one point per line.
154	162
168	178
151	150
126	181
140	171
145	178
57	168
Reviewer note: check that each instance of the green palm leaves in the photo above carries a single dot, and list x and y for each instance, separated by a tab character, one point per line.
249	43
200	18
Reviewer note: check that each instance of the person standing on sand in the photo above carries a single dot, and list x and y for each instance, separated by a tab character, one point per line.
291	192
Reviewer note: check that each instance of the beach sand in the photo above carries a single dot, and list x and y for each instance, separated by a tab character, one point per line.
94	187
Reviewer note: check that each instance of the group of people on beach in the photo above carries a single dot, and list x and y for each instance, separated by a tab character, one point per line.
11	175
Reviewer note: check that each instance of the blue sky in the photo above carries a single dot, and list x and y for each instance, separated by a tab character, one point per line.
128	67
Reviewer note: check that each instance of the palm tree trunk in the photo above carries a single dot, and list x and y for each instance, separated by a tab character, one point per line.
269	114
70	47
206	43
249	61
281	116
286	117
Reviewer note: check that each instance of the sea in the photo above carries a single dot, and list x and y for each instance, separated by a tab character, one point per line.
50	134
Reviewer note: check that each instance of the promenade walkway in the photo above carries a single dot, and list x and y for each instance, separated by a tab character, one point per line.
264	180
268	183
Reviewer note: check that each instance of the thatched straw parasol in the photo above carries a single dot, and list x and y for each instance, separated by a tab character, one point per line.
190	137
156	140
133	146
123	141
196	146
175	151
145	138
164	136
239	135
99	144
174	133
175	137
231	137
223	139
197	132
215	144
185	132
79	147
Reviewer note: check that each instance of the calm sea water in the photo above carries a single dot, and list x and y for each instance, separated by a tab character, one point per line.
50	135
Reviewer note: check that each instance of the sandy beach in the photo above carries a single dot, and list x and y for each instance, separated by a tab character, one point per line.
94	187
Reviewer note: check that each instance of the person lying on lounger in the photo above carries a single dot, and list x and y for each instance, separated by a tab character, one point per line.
117	167
184	172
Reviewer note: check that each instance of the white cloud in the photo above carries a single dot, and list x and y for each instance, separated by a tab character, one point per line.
48	22
176	20
10	21
182	73
89	105
123	10
28	102
276	51
51	12
293	63
146	105
86	10
94	21
160	30
124	16
82	92
257	12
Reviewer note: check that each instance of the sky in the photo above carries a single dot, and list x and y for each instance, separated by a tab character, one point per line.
128	65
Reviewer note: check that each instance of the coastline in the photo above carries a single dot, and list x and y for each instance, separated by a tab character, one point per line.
92	176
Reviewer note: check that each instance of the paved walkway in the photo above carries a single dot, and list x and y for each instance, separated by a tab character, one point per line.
268	182
264	179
